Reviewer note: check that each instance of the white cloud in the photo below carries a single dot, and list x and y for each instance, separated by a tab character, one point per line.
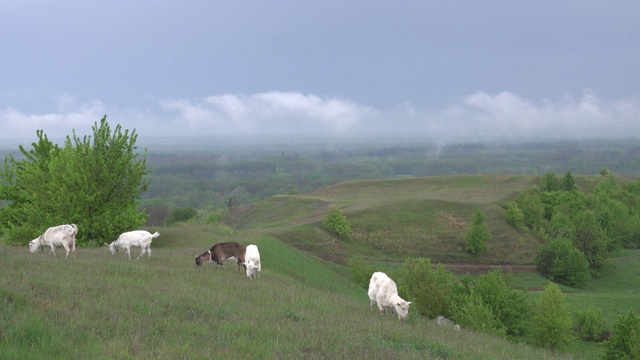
16	124
291	113
271	112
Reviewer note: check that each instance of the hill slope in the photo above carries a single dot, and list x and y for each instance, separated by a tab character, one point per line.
394	219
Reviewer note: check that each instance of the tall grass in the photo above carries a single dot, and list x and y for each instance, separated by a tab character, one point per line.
101	306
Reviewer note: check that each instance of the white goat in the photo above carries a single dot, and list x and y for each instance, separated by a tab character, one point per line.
61	235
384	292
252	262
139	238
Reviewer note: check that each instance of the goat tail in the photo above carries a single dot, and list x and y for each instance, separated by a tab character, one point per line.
155	235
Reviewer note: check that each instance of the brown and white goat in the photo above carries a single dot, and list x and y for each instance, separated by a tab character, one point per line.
223	251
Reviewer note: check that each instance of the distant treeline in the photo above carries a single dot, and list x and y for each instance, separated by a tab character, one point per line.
223	177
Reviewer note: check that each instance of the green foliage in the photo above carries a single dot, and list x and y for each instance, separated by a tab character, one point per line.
478	234
490	303
561	262
551	325
213	218
515	216
590	239
337	222
472	312
181	214
589	324
307	310
429	289
362	271
532	208
567	183
624	343
550	182
94	182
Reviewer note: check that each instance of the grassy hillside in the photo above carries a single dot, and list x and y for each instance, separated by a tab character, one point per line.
394	219
101	306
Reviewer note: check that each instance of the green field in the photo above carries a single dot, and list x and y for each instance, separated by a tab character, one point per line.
101	306
305	304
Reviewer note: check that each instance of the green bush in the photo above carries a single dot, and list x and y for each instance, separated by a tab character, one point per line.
429	289
624	343
514	215
478	234
470	311
337	222
561	262
181	214
362	271
589	324
551	325
213	218
507	311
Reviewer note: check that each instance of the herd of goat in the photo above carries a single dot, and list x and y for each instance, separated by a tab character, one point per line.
65	236
382	292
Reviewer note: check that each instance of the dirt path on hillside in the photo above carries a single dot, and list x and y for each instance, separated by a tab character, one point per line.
482	268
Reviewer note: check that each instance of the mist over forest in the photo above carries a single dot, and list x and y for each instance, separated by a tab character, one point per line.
221	173
228	172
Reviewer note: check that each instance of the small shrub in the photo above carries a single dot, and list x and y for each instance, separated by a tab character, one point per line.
507	310
589	324
470	311
428	288
213	218
478	234
624	343
515	216
181	214
337	222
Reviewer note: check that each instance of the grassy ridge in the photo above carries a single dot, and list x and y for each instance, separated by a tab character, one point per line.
101	306
394	219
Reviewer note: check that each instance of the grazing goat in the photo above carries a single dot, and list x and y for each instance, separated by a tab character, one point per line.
61	235
141	238
384	292
223	251
252	262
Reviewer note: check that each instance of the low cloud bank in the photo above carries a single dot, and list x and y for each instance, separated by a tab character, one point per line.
291	113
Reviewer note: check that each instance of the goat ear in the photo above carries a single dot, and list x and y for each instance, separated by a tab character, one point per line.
408	302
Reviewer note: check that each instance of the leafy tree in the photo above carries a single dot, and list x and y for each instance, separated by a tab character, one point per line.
514	215
625	341
551	324
589	238
567	183
478	234
532	208
337	222
561	262
550	182
94	182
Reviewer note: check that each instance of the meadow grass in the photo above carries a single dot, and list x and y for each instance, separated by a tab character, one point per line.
399	218
101	306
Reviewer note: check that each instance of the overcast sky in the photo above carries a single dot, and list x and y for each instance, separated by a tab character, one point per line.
321	67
